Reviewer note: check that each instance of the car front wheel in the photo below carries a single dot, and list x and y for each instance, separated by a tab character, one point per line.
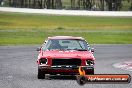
41	74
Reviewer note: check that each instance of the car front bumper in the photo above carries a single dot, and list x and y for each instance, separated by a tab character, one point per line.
63	69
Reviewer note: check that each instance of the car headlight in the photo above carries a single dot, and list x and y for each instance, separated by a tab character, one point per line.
89	62
43	61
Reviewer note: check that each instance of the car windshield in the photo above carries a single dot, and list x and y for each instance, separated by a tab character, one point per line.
66	44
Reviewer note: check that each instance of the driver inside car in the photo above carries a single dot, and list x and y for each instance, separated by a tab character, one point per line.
54	45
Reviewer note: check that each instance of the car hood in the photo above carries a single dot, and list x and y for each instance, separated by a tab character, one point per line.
67	54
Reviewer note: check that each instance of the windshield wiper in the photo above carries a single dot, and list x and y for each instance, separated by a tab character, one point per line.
80	49
56	49
77	49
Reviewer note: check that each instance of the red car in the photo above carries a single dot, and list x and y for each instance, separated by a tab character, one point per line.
64	55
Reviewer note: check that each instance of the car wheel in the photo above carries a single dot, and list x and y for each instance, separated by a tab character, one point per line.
81	80
41	74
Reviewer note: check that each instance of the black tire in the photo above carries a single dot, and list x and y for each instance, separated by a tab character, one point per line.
81	80
41	74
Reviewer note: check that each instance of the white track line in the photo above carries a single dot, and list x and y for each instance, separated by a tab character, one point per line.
127	65
68	12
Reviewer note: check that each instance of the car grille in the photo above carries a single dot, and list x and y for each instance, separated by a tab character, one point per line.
69	61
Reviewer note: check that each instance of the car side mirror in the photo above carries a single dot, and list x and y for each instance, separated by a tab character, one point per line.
38	49
92	50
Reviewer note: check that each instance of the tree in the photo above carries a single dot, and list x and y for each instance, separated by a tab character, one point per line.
113	4
40	3
21	3
102	5
29	3
87	4
58	4
48	4
72	4
10	2
1	1
34	3
79	2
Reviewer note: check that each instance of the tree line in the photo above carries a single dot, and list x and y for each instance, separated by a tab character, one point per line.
110	5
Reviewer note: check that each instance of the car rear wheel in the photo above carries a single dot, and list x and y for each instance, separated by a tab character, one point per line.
41	74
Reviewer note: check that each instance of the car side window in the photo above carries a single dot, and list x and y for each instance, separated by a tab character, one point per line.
46	44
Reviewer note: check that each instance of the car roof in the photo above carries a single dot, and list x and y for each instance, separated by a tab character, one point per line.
65	37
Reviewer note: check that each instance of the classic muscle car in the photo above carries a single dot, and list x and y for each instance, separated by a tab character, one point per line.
64	55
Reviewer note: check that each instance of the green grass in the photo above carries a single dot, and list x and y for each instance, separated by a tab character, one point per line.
28	21
18	28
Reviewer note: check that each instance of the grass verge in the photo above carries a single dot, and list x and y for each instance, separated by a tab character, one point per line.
20	28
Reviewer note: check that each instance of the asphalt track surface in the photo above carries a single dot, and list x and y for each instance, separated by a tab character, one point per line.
18	68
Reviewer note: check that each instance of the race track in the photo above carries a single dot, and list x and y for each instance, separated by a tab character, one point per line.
18	68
